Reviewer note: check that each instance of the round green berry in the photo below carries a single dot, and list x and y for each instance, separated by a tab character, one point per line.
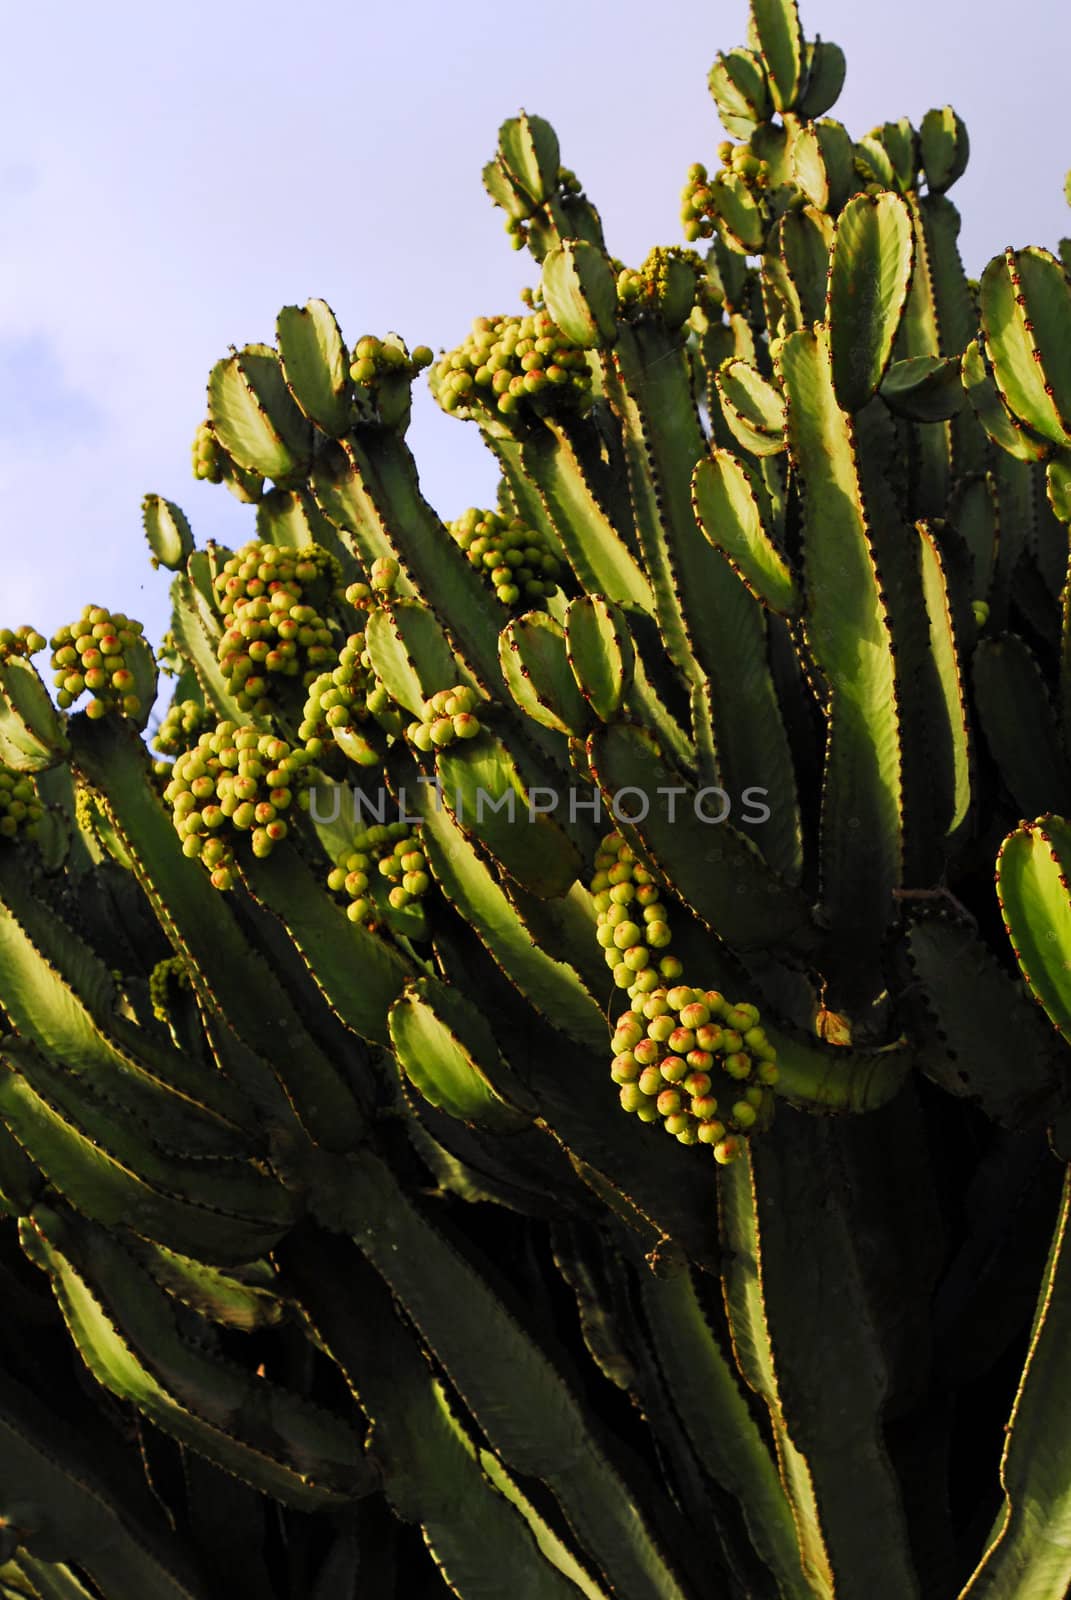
625	1068
651	1082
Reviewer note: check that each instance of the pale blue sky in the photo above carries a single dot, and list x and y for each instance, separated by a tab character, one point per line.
171	175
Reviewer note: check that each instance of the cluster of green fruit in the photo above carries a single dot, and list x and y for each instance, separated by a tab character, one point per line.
182	726
448	716
262	592
519	560
172	970
384	575
623	890
24	641
208	460
684	1056
699	208
390	851
703	1066
510	364
91	654
337	701
664	286
235	781
375	359
341	705
20	805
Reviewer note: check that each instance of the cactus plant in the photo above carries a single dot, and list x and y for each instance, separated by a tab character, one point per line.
339	1013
